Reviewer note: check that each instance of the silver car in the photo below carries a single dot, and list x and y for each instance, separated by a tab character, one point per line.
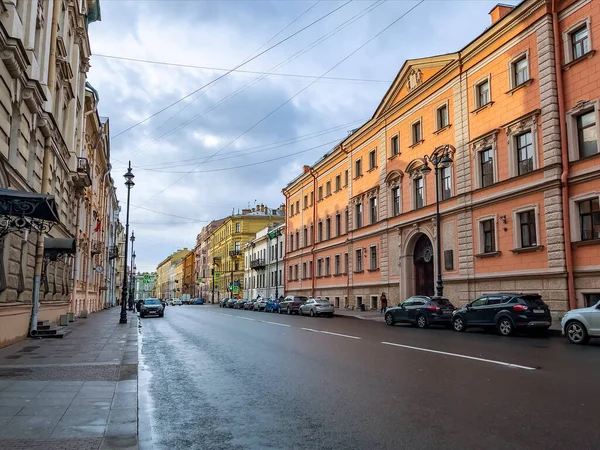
316	307
579	325
260	304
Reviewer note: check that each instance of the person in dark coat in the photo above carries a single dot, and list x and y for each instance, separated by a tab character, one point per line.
383	302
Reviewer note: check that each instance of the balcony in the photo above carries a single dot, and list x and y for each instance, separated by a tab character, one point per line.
234	253
81	177
258	263
96	247
113	252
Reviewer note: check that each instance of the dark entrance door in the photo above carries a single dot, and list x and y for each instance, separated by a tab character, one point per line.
423	260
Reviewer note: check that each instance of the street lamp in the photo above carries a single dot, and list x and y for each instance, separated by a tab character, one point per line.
440	159
129	183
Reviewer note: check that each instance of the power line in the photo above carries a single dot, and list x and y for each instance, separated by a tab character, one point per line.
302	90
166	214
236	67
219	69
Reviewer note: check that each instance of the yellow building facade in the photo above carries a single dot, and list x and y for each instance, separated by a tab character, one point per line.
163	286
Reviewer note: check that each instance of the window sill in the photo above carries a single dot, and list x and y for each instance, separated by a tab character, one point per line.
522	85
570	64
527	249
488	255
319	276
338	274
393	156
586	243
481	108
416	143
372	169
357	177
373	270
358	271
442	129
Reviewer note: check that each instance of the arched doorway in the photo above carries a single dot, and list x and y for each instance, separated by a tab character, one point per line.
423	266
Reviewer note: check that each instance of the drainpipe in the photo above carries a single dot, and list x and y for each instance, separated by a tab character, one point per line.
105	226
314	174
564	157
284	271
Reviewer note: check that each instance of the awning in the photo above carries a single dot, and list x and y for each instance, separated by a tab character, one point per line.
23	204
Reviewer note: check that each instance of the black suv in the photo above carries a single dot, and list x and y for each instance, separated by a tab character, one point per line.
422	311
505	312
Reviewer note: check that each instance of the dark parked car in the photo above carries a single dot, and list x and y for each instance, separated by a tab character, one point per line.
421	311
239	304
152	306
291	304
223	302
505	312
231	302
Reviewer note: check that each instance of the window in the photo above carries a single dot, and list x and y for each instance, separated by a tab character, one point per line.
346	262
419	188
312	198
320	193
587	137
394	145
347	219
486	161
580	43
358	168
290	273
396	201
328	189
446	183
488	235
520	71
373	257
297	239
320	231
482	94
527	230
441	117
591	299
292	210
305	236
358	265
310	269
236	266
373	209
359	211
346	177
338	224
291	242
336	262
304	273
328	228
327	270
238	227
305	201
417	135
237	247
372	159
524	153
312	234
338	182
589	219
319	267
297	206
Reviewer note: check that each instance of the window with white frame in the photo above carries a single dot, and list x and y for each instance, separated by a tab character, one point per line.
373	210
327	268
418	192
395	192
304	273
328	228
346	177
487	235
338	182
305	236
519	71
582	130
338	224
526	227
359	214
580	42
337	265
445	183
320	231
320	192
395	145
524	147
482	93
319	267
441	117
358	168
328	188
373	257
416	132
238	227
589	219
486	167
358	266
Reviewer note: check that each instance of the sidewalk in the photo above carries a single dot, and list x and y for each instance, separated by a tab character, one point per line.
79	392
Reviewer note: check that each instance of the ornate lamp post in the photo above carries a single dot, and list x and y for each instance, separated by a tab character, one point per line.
440	160
129	183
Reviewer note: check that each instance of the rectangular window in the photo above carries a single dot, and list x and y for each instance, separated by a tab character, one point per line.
327	269
310	269
373	258
319	267
237	247
520	69
328	189
346	177
372	160
483	94
305	201
586	134
486	161
328	228
347	219
442	117
320	193
338	224
489	236
320	231
336	261
295	271
527	229
290	273
359	211
305	236
312	198
297	206
346	262
238	227
338	182
591	299
394	146
297	239
416	133
359	265
589	219
396	201
446	183
524	153
373	209
304	273
312	234
358	168
419	192
580	42
291	242
292	210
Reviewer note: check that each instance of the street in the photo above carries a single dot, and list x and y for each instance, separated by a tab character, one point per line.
212	378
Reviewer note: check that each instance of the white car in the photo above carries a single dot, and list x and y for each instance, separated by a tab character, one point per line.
177	302
579	325
316	307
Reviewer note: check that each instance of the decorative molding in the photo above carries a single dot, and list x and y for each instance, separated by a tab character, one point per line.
415	79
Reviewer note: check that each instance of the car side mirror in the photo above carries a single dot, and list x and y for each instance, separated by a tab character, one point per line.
400	305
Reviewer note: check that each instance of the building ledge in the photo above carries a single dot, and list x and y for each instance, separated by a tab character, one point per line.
481	108
528	249
442	129
586	242
419	142
488	255
522	85
570	64
358	271
373	270
394	156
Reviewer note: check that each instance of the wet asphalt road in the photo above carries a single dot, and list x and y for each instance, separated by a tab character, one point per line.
214	378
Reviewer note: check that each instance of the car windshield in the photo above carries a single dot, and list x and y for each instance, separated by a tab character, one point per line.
152	302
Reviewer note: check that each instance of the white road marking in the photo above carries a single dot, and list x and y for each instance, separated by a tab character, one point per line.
491	361
333	334
244	318
275	323
221	314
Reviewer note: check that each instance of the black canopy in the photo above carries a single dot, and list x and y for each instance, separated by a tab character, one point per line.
28	204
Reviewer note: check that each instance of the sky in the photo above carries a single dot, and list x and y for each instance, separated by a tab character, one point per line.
307	72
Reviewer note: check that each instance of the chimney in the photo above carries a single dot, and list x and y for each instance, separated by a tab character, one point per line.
499	11
245	211
305	169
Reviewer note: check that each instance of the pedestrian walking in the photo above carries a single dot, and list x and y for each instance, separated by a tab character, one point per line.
383	302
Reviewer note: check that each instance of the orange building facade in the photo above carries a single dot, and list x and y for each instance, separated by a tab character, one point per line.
516	111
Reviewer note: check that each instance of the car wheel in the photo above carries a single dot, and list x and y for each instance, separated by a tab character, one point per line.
505	326
300	313
458	324
389	319
576	333
312	313
161	315
289	311
422	321
279	310
142	315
